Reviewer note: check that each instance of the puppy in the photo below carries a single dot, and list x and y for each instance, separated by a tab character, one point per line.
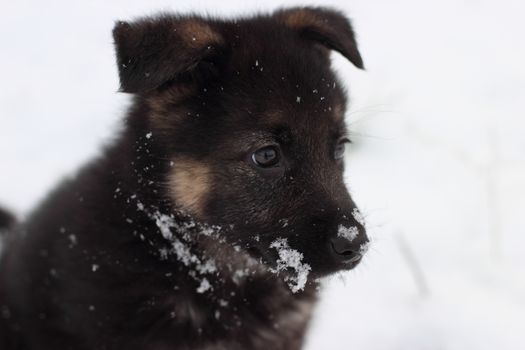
210	219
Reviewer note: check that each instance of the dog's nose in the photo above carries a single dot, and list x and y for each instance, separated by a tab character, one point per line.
346	250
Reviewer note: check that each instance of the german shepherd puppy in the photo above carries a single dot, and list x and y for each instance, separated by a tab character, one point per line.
209	220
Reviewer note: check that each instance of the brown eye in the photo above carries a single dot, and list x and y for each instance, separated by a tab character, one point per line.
266	157
339	151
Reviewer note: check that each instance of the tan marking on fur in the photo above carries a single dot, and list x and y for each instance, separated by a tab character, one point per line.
168	120
339	112
173	95
301	313
166	106
287	325
189	183
302	18
274	116
197	34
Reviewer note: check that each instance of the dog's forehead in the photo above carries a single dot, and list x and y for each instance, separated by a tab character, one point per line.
311	101
282	75
302	123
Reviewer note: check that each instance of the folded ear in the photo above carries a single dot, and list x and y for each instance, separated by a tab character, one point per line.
325	26
153	51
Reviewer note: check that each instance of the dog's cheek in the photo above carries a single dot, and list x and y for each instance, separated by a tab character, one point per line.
189	184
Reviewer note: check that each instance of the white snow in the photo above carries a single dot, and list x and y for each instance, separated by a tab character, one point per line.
183	253
363	248
291	259
349	233
204	286
358	217
163	253
180	244
164	223
73	241
284	223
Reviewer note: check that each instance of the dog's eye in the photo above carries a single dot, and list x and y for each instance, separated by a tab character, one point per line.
340	148
266	157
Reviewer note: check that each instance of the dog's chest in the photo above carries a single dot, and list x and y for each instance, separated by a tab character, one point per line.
241	327
288	330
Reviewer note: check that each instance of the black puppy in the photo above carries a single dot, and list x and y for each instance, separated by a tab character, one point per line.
209	220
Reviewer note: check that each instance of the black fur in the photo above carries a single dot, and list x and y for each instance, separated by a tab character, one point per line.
6	219
94	267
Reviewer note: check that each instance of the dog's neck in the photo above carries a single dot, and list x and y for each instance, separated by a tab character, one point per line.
223	277
208	285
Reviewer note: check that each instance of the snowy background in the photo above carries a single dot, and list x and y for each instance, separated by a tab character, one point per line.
438	163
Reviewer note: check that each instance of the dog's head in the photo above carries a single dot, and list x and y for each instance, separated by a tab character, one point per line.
250	118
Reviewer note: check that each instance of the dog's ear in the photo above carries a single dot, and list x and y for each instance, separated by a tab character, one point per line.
153	51
325	26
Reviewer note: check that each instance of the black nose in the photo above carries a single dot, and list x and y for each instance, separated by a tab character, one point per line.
346	250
